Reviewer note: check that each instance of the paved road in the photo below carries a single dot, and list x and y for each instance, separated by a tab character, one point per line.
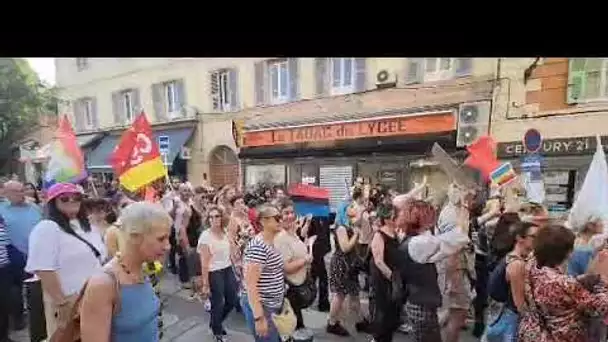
186	321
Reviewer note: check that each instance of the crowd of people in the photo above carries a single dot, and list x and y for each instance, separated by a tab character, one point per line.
99	254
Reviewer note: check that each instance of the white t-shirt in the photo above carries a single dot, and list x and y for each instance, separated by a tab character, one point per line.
292	248
52	249
219	248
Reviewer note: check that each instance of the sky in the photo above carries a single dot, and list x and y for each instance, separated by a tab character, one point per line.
45	67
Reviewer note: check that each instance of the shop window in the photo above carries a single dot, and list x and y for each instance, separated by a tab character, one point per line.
265	174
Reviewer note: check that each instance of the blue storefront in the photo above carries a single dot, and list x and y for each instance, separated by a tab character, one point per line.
173	142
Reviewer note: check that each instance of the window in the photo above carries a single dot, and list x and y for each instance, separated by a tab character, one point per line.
342	75
87	113
278	72
128	105
436	69
172	98
222	92
82	63
588	79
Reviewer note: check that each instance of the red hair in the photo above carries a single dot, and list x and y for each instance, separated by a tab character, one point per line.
417	215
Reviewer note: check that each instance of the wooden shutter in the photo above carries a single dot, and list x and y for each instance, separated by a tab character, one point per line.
464	66
117	108
414	70
233	84
576	80
136	102
158	98
360	75
214	85
321	76
294	79
78	121
180	88
261	83
94	112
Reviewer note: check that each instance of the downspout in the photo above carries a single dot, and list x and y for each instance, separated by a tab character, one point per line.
495	82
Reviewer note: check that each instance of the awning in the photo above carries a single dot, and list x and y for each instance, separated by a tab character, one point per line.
86	139
98	159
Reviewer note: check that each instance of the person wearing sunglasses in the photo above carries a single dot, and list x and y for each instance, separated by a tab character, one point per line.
64	251
264	278
218	280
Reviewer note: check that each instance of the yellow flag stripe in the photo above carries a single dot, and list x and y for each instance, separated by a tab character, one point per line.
143	174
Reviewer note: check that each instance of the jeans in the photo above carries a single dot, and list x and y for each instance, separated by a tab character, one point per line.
17	266
222	284
5	301
273	334
505	328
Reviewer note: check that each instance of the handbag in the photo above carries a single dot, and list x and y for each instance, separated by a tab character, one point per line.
304	294
285	321
71	331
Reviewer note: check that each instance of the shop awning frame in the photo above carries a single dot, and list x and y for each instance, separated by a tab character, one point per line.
98	158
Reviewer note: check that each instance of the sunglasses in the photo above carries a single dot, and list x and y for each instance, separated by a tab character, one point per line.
72	198
276	217
215	216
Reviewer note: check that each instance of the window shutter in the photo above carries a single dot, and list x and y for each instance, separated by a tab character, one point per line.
94	112
360	74
78	121
234	89
158	98
414	72
260	83
321	76
215	90
294	79
464	66
136	102
117	108
576	80
180	87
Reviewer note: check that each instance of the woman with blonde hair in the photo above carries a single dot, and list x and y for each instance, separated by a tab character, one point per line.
119	304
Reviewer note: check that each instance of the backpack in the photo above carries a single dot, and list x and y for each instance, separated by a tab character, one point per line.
498	288
71	331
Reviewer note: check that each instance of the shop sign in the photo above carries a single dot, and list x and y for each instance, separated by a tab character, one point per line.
553	147
405	125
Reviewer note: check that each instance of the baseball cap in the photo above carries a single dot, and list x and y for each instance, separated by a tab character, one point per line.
59	189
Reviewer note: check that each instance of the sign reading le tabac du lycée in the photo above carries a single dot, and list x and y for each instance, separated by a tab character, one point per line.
404	125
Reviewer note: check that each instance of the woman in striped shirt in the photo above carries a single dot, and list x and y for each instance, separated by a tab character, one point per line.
264	280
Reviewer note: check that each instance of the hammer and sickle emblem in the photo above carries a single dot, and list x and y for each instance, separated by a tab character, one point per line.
142	147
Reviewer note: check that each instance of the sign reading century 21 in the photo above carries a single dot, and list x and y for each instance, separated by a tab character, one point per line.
141	148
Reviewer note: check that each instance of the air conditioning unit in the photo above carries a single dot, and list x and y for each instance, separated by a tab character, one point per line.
473	122
384	79
185	153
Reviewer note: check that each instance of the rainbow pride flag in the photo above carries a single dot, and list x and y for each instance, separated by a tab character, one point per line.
66	164
503	175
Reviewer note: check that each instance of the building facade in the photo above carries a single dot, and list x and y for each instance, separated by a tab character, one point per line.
566	101
327	120
102	96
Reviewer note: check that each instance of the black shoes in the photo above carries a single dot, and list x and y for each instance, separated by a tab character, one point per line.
337	329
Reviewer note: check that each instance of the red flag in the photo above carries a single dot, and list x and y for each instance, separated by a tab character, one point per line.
482	156
136	159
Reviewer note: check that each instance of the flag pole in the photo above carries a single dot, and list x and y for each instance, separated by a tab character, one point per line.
94	187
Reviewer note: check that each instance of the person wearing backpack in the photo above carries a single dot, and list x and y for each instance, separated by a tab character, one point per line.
506	282
119	303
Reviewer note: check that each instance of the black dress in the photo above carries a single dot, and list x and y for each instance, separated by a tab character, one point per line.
385	312
343	272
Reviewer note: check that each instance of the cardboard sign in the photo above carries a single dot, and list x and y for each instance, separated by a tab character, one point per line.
451	167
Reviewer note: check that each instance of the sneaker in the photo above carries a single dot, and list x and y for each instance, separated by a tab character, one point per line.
405	328
207	305
337	329
362	326
220	338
